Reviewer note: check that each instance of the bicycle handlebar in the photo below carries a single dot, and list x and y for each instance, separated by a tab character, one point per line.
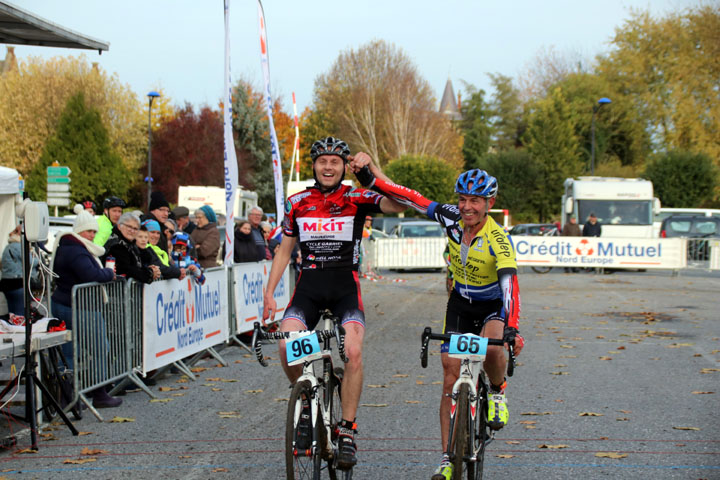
427	335
338	333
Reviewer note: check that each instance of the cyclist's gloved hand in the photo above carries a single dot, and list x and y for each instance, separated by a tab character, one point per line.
365	176
511	336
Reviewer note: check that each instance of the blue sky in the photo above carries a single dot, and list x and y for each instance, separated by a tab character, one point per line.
177	45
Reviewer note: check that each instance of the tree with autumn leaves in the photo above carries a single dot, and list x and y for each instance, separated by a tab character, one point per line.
189	148
34	96
661	74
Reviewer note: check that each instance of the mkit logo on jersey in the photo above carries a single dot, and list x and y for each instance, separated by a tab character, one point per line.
339	229
323	225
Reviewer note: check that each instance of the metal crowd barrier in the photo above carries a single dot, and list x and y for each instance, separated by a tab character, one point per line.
703	253
100	342
211	351
399	253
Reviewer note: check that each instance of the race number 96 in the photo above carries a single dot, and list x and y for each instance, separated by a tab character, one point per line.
301	347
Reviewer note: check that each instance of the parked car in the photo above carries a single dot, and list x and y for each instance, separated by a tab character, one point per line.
535	229
386	224
696	228
56	226
417	229
376	233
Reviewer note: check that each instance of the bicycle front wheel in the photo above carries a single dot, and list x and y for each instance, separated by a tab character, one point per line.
480	435
302	462
460	434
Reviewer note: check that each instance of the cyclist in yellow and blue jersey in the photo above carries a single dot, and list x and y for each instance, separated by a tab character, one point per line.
485	297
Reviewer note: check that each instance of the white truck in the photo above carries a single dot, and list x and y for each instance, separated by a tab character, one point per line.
194	197
625	207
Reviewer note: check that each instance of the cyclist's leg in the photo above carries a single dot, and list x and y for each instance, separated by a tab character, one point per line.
352	381
495	361
494	366
290	324
301	314
451	372
351	390
454	323
349	308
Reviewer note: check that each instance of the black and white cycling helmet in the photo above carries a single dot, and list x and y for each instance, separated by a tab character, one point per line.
329	146
113	201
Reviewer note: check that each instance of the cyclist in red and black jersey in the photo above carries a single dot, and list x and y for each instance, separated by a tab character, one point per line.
327	220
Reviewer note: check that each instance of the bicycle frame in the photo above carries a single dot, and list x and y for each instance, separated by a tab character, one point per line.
319	388
317	406
473	376
469	371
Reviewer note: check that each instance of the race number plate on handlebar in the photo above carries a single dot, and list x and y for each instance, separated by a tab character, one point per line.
472	347
302	347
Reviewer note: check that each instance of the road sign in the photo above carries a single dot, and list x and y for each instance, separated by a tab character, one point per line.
58	180
58	202
58	187
58	194
58	171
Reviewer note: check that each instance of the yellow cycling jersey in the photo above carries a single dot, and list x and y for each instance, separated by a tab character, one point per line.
490	250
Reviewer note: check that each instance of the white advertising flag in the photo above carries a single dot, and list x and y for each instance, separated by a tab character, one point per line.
277	170
231	166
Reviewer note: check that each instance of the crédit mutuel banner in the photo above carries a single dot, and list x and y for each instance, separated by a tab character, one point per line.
182	317
640	253
250	280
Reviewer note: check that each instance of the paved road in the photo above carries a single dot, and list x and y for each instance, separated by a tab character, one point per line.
628	348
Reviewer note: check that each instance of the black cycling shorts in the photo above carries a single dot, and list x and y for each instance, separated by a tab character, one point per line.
462	316
337	290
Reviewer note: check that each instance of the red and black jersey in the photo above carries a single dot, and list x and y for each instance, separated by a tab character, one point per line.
329	227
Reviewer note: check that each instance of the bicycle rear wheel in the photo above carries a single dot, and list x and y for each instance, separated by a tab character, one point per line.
541	269
480	435
300	464
460	435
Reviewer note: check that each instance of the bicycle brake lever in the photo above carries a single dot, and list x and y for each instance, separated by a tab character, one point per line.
424	349
256	345
511	361
340	337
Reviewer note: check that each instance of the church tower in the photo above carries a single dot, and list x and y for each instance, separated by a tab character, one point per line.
448	105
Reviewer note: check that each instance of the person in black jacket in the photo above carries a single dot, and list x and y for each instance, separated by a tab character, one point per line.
128	258
158	210
244	244
153	255
75	261
592	228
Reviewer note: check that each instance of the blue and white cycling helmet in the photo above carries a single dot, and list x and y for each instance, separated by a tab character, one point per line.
477	182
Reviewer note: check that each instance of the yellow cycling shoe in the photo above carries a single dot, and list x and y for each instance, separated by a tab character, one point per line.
444	471
497	411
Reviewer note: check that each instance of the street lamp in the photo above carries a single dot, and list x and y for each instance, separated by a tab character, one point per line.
600	103
151	96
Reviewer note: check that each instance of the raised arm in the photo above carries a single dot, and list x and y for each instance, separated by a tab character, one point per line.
370	176
282	257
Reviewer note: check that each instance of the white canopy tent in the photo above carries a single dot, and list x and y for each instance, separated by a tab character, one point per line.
9	188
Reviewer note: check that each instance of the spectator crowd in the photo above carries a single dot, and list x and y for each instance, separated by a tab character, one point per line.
146	246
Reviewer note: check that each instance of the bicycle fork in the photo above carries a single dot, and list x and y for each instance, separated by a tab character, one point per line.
475	410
